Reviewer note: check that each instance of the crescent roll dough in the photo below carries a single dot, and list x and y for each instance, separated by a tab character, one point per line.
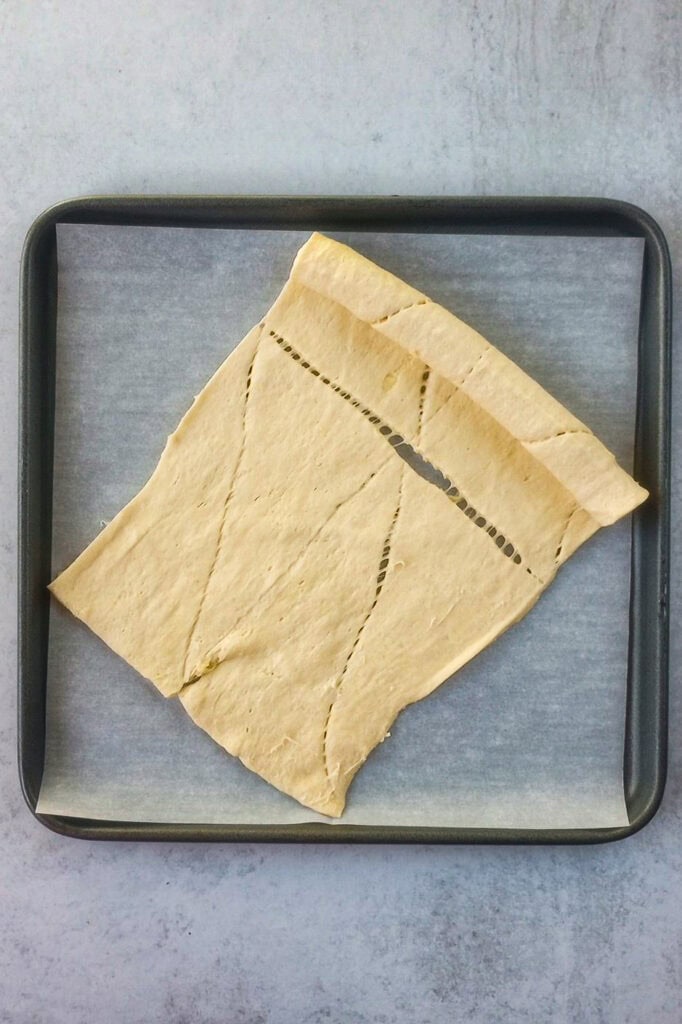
364	496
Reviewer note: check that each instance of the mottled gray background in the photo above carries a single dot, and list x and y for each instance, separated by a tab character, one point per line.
558	97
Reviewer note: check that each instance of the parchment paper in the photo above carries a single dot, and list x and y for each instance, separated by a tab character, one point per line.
530	734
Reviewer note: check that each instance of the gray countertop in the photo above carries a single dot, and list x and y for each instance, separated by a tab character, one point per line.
538	97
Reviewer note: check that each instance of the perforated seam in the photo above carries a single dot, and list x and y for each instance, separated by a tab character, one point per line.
414	458
403	309
226	503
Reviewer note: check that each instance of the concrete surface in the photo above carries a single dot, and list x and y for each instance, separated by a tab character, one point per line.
561	96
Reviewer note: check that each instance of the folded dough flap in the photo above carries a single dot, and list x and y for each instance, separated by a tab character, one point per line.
556	438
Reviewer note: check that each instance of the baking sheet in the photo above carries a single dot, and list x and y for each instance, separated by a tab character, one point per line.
528	735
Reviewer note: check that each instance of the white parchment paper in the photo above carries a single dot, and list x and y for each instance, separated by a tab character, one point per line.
530	734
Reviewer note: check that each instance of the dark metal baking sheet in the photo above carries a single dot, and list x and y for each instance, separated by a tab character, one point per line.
644	755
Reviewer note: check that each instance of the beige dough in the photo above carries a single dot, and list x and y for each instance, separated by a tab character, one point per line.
363	497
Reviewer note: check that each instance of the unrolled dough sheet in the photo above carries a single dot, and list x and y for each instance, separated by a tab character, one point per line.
412	777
